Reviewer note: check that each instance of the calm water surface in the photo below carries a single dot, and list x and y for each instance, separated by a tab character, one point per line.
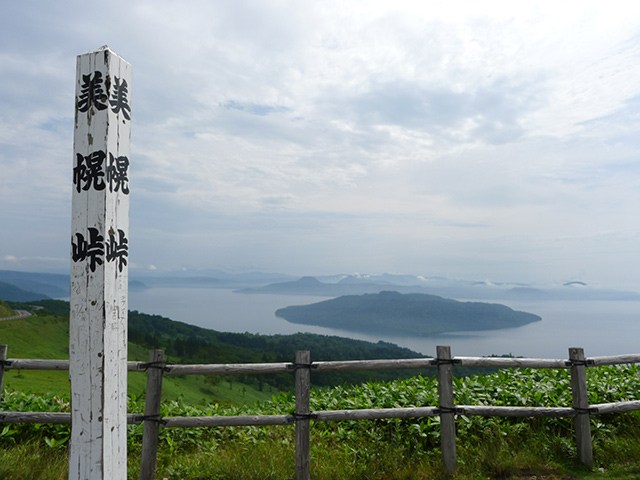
600	327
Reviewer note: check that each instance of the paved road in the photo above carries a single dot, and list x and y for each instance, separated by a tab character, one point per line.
21	314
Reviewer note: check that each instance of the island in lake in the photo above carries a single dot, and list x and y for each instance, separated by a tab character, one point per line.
405	314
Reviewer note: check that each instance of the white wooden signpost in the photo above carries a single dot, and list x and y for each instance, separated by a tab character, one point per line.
99	273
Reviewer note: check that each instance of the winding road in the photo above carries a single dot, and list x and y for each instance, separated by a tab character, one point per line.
21	314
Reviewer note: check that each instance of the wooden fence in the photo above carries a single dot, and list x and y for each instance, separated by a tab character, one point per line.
156	368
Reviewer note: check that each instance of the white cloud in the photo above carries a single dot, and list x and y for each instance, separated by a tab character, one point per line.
361	136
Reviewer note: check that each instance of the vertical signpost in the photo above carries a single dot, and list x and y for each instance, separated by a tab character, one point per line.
99	273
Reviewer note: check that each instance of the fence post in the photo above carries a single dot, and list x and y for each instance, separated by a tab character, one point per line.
580	401
3	358
447	414
151	428
303	394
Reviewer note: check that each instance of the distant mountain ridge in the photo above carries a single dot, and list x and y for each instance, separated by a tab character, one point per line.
28	286
459	289
348	285
208	279
409	314
12	293
34	285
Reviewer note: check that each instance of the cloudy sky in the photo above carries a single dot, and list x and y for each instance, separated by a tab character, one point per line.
477	140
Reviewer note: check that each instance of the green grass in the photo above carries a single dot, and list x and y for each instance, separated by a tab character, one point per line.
29	461
243	456
47	337
275	461
5	311
488	448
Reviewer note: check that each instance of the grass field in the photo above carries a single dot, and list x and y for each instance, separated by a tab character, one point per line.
5	311
488	448
47	337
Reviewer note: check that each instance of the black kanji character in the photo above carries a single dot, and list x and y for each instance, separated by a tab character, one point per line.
89	170
117	173
91	93
119	102
117	249
92	249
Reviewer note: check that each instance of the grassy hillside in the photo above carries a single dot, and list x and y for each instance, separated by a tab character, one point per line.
488	448
45	336
185	343
5	311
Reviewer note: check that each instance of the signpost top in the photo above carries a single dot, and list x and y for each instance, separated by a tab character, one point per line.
104	48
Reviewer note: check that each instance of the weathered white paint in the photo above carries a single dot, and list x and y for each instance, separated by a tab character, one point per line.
98	317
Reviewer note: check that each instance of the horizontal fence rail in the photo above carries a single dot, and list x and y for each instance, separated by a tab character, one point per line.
336	366
339	415
302	368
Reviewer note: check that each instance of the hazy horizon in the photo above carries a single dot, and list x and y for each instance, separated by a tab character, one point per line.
574	290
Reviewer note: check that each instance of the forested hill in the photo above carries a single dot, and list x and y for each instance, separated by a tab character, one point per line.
408	314
188	344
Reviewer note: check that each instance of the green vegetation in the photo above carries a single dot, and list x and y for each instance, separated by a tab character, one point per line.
191	344
408	314
488	448
184	343
5	311
52	335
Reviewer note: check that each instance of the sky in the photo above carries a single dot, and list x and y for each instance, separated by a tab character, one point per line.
479	140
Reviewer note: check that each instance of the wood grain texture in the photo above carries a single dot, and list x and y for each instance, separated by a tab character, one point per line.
303	429
447	420
3	357
99	282
151	429
580	400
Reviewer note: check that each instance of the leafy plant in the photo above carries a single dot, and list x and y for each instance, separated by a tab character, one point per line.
495	447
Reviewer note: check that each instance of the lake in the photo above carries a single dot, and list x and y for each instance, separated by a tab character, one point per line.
600	327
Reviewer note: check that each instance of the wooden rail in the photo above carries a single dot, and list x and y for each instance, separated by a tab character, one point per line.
302	368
